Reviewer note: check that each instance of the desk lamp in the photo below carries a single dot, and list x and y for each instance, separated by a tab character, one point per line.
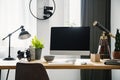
103	48
23	35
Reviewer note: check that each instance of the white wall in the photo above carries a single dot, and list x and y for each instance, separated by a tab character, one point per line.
115	23
43	31
43	26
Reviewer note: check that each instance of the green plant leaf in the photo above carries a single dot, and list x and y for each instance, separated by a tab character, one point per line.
37	43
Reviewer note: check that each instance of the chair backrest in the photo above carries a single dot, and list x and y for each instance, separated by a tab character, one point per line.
30	71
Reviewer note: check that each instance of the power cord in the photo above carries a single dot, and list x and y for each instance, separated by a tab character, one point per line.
7	74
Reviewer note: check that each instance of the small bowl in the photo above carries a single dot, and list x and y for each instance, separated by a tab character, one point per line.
49	58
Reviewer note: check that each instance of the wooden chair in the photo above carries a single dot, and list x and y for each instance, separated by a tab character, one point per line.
30	71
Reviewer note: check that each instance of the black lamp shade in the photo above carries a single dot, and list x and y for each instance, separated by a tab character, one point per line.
24	34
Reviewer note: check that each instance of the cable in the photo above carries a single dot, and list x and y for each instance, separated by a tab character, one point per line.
41	18
7	74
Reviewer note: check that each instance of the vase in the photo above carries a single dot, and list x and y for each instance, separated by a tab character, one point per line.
38	53
116	55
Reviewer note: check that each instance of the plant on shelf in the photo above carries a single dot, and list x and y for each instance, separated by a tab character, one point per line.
116	53
38	45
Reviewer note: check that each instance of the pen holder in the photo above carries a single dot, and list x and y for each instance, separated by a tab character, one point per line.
95	57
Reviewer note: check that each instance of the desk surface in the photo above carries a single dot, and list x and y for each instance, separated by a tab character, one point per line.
62	64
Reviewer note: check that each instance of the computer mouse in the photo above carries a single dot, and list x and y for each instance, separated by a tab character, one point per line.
83	63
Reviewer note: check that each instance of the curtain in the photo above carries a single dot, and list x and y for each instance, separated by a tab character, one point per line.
13	14
95	10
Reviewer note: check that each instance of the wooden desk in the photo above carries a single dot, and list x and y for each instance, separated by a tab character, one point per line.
62	64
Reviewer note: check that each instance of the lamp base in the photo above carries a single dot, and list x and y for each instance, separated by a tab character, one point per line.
9	58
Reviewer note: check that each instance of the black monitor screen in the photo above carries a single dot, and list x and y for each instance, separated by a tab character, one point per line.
70	38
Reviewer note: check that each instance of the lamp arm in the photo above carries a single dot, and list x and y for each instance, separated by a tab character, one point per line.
13	32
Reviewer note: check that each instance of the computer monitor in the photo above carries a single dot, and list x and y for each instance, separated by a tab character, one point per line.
70	41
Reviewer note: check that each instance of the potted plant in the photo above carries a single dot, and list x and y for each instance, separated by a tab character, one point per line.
38	45
116	53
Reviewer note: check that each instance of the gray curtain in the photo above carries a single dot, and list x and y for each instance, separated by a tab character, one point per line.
95	10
